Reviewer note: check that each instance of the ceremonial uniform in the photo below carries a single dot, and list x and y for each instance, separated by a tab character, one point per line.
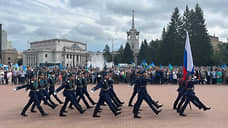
190	96
180	91
135	90
41	94
33	94
52	81
143	95
84	83
104	97
69	96
80	91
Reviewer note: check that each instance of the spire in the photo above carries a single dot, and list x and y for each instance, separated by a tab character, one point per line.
133	22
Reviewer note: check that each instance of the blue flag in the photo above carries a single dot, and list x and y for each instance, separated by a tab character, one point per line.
24	68
61	66
170	67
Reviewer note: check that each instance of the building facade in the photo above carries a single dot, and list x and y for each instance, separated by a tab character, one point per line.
215	42
133	39
56	51
9	56
4	40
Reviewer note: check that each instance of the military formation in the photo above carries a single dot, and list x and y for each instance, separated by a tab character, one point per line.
41	84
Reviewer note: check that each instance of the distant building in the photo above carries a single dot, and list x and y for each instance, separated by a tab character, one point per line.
215	42
56	51
9	56
133	39
4	40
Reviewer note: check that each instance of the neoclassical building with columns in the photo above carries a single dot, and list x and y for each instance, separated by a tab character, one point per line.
54	52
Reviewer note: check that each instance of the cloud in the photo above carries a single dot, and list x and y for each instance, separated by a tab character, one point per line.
98	21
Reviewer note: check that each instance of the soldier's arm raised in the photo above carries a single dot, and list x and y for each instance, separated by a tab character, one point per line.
21	87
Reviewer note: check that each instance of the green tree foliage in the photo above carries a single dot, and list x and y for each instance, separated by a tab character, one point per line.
144	52
128	54
200	42
107	55
170	48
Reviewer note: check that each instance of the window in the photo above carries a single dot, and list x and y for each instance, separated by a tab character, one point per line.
8	58
46	55
71	56
67	56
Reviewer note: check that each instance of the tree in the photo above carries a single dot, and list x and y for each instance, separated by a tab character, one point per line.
154	48
118	58
143	52
128	54
200	42
172	46
107	55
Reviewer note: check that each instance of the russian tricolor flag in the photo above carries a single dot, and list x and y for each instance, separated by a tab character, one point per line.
188	61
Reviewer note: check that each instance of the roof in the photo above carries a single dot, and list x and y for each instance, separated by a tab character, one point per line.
56	40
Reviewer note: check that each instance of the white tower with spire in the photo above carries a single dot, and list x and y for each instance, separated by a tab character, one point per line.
133	38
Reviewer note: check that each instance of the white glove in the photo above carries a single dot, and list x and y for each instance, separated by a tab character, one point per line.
91	91
129	86
55	93
14	89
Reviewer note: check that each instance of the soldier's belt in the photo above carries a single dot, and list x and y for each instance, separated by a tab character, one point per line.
34	90
105	89
189	88
70	89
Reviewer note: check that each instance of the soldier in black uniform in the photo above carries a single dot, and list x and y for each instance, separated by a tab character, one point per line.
143	95
104	96
52	81
79	92
41	93
113	95
33	94
180	91
84	83
190	96
135	90
68	92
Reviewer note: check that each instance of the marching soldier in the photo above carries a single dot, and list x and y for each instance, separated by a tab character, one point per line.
84	83
104	96
135	90
69	95
41	93
190	96
180	91
143	95
33	94
52	81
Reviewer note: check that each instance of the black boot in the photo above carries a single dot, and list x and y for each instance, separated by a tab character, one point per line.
96	116
157	112
71	107
23	114
88	107
44	114
62	115
182	114
82	111
33	111
137	116
206	108
130	105
121	102
117	113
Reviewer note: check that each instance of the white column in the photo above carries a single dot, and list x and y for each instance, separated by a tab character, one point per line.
79	60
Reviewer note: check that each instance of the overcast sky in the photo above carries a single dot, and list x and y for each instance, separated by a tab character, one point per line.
98	21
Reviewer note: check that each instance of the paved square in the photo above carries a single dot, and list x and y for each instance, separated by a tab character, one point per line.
215	97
